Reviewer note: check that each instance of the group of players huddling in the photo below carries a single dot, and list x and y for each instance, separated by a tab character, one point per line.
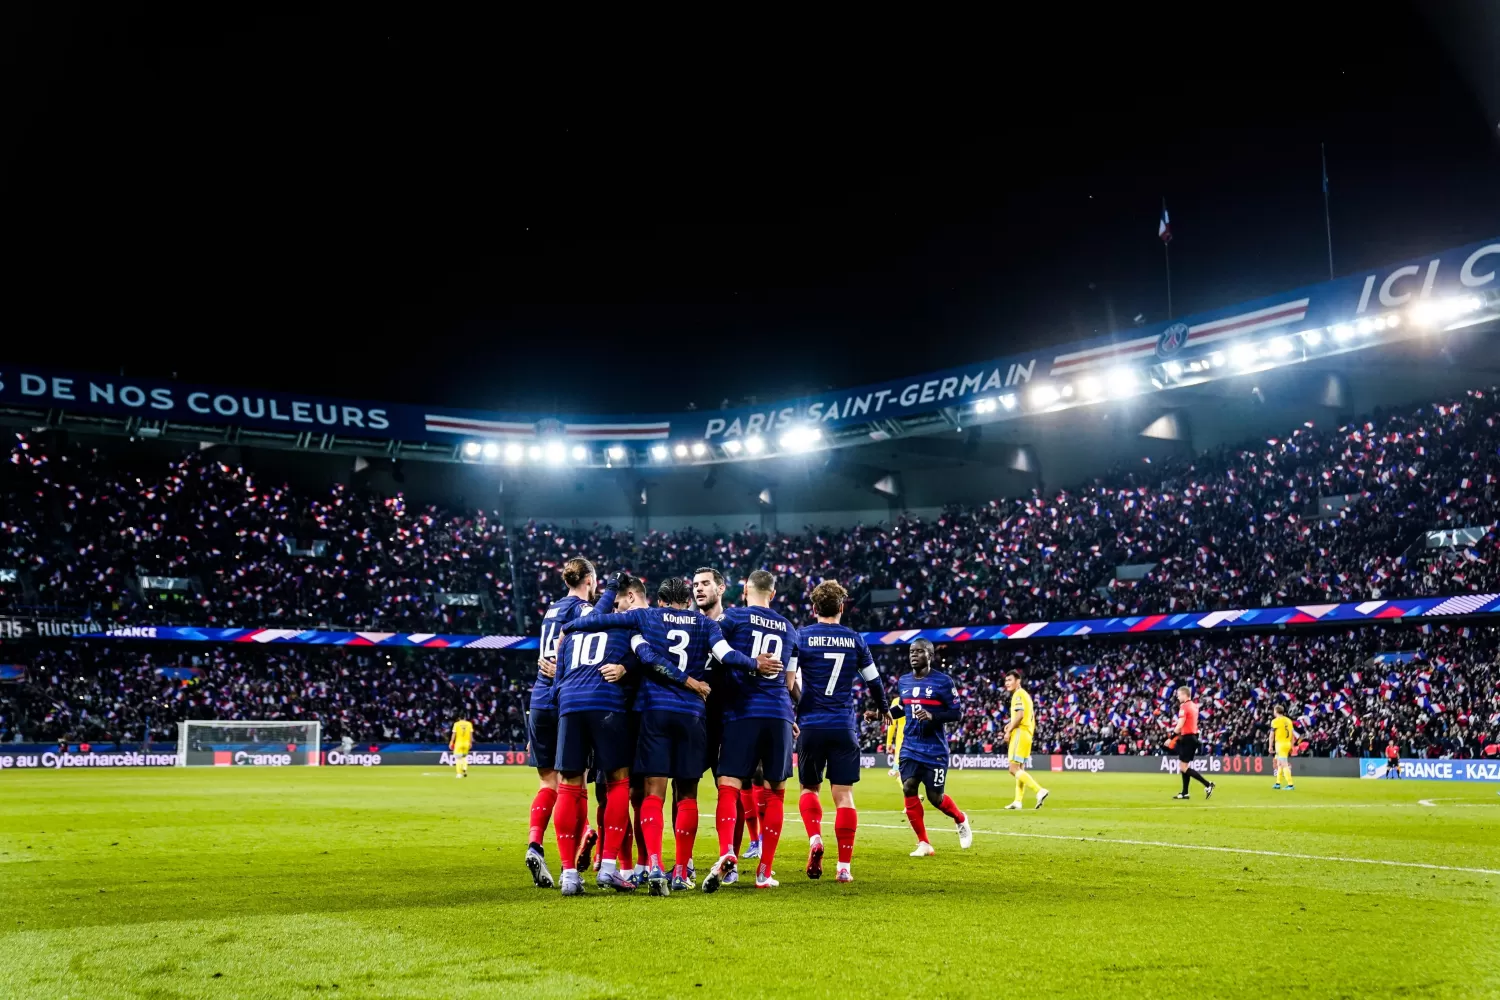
647	699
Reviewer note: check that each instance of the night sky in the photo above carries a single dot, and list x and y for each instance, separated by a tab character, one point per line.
507	216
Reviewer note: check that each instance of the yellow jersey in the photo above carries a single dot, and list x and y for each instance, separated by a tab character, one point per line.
895	730
463	735
1282	727
1020	702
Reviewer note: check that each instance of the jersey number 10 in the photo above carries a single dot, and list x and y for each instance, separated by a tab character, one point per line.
588	650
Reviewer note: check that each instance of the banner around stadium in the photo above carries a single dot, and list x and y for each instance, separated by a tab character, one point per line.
1462	269
1362	613
1428	769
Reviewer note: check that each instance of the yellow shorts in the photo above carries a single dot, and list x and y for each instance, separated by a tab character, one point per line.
1020	745
461	754
1283	751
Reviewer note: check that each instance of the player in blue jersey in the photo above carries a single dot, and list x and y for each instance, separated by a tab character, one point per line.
758	714
930	701
830	655
677	645
594	731
708	594
541	718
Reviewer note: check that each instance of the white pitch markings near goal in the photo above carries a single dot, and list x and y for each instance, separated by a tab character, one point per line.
1220	850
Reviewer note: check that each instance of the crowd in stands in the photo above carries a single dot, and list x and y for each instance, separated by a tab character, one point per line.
1243	527
1238	528
1436	693
105	692
85	534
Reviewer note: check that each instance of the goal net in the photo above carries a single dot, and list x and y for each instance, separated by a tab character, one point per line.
214	743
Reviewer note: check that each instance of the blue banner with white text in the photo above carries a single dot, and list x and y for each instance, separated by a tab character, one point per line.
1427	769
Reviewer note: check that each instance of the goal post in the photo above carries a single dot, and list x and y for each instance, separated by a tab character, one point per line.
254	743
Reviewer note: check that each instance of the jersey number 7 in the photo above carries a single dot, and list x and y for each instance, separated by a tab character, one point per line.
838	665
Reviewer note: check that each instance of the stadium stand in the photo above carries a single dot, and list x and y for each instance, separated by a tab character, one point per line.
1232	529
1237	528
1440	696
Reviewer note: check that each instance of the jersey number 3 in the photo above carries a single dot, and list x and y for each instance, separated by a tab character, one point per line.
679	640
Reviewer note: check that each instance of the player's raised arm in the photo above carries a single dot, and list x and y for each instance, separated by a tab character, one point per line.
610	593
728	655
597	622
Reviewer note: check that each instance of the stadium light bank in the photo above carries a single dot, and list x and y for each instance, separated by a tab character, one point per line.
1433	316
1276	349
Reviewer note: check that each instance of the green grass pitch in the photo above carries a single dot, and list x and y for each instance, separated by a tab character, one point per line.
400	882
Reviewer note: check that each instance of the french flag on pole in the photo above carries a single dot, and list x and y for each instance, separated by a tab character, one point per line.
1164	229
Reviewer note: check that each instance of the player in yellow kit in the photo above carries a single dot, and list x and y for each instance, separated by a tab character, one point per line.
459	743
1019	729
1283	739
893	734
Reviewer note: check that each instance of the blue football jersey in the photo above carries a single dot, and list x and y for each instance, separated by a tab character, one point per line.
684	639
544	690
830	656
580	685
748	695
926	741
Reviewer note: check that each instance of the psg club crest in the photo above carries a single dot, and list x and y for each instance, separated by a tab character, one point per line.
1171	340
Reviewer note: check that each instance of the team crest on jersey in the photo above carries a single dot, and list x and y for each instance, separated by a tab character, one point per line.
1172	340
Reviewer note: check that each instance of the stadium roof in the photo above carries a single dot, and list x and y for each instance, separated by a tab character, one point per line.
1395	335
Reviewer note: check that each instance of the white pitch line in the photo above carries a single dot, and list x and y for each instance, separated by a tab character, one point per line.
1220	850
1219	808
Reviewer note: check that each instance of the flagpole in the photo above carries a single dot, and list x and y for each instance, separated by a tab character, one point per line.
1166	249
1327	219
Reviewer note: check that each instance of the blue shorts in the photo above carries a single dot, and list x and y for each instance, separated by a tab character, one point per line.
837	750
541	737
593	739
763	742
934	776
671	745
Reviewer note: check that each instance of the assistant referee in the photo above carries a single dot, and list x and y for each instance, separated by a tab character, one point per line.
1185	741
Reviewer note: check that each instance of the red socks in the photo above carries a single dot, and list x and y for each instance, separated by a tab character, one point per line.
725	815
616	818
914	816
739	824
952	811
640	835
651	824
541	813
572	813
811	808
770	829
751	811
762	794
845	823
686	829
